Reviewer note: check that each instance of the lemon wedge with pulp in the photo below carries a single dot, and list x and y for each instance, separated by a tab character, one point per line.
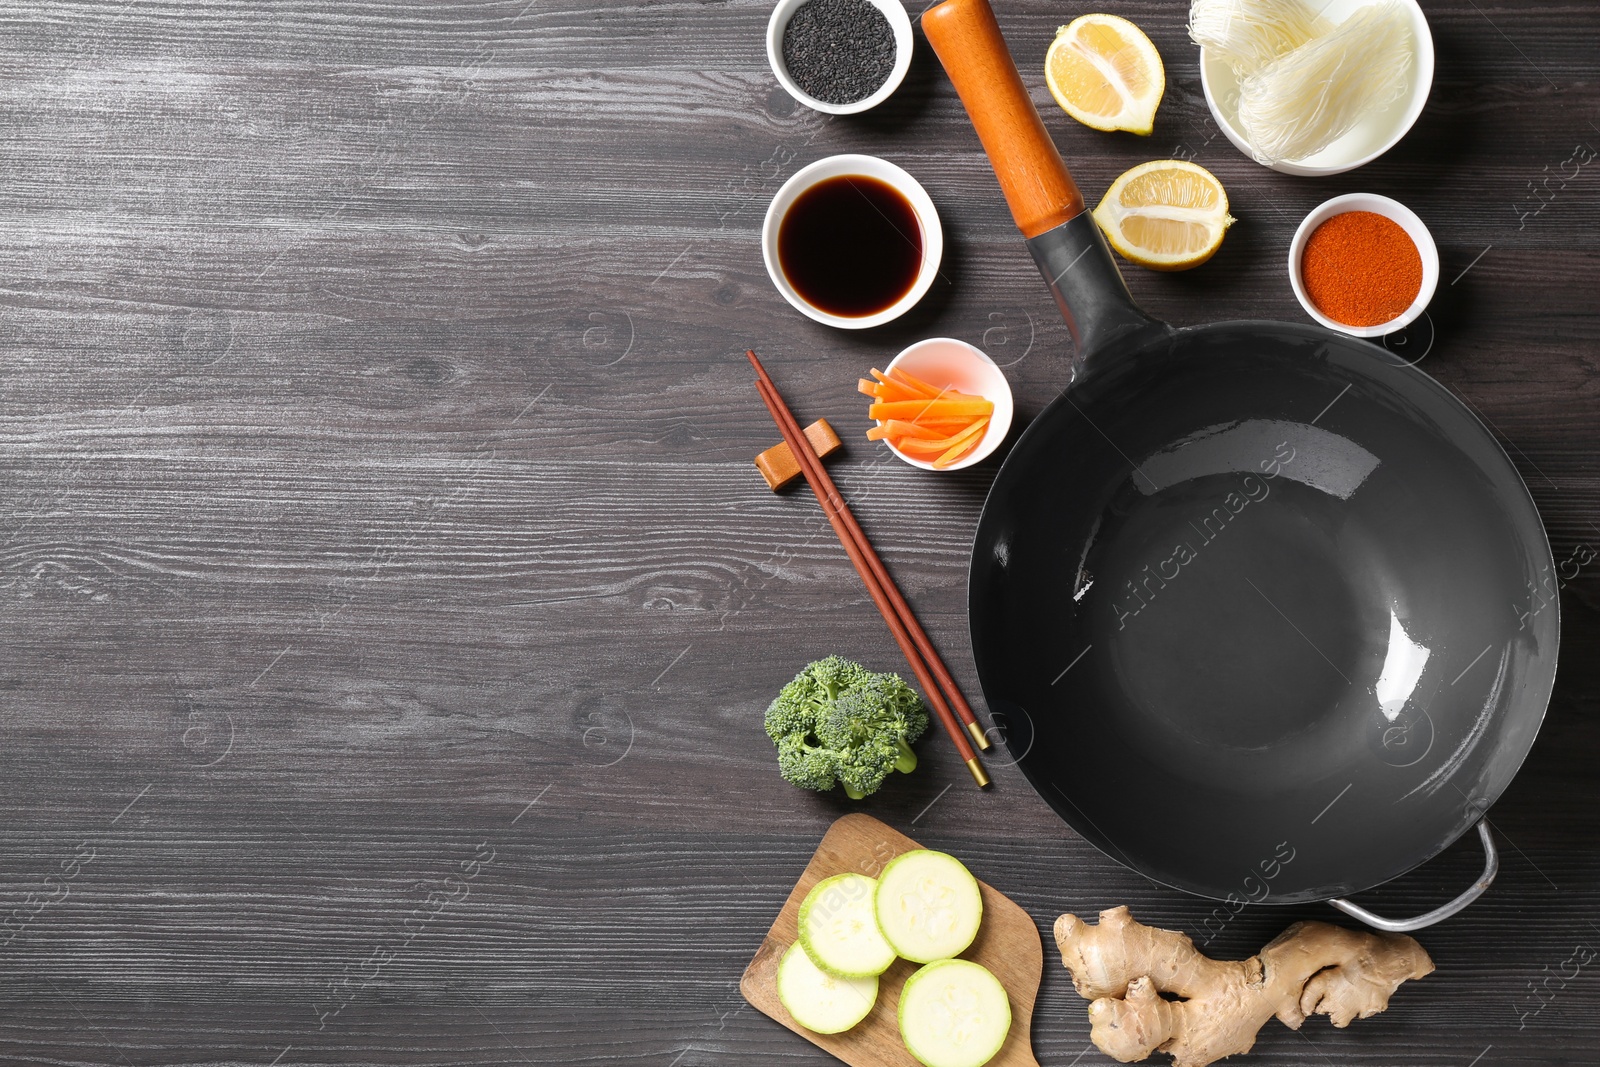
1105	72
1166	215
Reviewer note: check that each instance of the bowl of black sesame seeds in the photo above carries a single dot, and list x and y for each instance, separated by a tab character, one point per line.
839	56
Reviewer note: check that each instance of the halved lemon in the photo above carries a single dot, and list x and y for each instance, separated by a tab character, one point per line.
1105	72
1166	215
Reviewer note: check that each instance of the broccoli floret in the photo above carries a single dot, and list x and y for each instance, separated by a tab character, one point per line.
884	709
839	723
862	769
798	705
805	765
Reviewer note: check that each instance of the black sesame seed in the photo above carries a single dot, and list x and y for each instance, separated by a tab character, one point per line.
838	51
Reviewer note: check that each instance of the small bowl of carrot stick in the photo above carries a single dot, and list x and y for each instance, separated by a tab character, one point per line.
941	405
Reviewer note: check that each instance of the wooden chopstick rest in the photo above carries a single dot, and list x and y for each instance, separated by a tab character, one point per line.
778	465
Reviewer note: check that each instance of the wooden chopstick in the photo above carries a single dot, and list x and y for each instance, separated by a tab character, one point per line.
919	637
858	550
901	607
896	627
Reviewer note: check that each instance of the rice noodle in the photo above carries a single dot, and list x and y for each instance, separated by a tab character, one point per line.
1249	34
1308	98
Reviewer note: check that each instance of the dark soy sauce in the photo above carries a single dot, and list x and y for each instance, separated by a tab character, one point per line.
851	246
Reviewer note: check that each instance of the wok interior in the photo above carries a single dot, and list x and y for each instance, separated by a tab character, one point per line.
1264	613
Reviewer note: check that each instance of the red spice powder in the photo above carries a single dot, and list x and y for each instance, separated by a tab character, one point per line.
1361	269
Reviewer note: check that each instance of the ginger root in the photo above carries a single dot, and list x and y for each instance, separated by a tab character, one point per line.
1311	968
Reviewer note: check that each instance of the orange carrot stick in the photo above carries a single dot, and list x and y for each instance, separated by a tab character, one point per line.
923	409
916	387
956	454
941	426
897	428
893	390
938	445
959	450
904	377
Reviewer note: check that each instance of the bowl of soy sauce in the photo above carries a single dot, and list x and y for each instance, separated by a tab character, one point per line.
852	241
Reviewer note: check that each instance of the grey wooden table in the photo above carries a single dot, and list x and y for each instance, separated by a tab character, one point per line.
387	599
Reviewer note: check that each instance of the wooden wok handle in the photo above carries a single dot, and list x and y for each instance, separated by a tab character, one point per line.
1038	187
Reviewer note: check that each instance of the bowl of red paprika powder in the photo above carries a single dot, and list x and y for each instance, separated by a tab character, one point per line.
1364	265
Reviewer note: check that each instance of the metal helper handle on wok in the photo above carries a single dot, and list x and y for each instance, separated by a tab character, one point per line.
1491	867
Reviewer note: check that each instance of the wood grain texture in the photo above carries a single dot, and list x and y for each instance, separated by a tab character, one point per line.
1008	944
388	601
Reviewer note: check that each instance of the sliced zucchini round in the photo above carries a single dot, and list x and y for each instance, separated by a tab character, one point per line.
838	928
954	1013
821	1002
928	906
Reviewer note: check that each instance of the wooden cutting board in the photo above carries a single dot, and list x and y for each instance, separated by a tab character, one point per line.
1007	943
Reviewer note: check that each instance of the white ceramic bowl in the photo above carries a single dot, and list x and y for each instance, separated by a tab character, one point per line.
946	361
1390	209
1371	137
899	22
871	167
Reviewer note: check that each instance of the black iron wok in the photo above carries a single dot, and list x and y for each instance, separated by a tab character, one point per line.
1266	613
